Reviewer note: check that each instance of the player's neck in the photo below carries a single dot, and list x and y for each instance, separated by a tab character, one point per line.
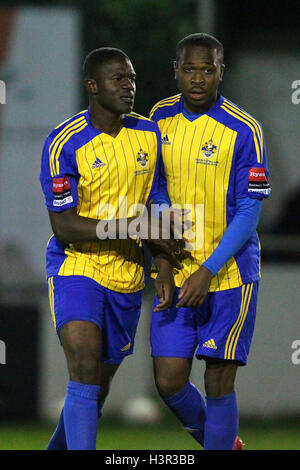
200	109
105	121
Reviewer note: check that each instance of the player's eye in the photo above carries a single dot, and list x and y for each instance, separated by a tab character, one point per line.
120	78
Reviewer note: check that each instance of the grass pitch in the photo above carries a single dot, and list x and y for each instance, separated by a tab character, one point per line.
117	436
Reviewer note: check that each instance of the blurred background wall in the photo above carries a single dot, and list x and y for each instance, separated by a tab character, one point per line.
41	53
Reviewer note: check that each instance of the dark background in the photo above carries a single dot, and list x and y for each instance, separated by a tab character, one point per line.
148	31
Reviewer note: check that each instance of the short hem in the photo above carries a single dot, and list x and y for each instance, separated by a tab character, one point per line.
181	356
64	322
112	361
116	361
84	276
221	359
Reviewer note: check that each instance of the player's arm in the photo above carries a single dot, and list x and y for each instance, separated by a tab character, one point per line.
251	175
69	227
164	283
244	223
59	179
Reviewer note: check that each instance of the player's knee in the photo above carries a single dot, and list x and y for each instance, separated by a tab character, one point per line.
169	386
219	378
83	363
84	370
83	359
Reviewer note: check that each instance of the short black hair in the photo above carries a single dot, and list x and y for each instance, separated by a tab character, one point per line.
97	57
200	39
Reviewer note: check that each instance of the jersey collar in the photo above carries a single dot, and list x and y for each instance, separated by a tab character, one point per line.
212	111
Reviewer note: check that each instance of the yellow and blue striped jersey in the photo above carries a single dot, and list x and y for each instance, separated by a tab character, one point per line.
209	163
85	168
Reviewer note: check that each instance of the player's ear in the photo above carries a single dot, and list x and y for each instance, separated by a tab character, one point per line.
175	66
91	86
222	72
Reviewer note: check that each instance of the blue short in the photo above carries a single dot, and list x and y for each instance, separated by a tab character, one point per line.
221	328
116	314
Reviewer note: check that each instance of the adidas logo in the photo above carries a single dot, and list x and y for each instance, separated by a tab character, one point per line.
165	140
98	164
210	344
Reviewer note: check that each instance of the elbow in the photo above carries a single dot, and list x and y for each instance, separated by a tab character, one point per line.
62	226
61	232
61	236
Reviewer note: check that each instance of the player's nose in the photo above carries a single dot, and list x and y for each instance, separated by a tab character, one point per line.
128	84
198	78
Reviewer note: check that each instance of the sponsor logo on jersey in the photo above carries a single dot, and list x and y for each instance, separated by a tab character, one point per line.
61	191
257	182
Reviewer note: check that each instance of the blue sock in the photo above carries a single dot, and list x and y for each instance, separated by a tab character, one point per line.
81	416
189	407
221	426
58	439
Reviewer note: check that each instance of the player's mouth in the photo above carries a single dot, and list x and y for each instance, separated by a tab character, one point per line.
127	99
197	94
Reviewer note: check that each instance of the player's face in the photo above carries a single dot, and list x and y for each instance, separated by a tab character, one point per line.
198	73
115	86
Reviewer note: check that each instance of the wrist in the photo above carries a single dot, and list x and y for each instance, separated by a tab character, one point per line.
161	262
207	271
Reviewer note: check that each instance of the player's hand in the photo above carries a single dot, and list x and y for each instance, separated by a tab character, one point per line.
164	285
171	250
165	233
195	288
178	222
170	224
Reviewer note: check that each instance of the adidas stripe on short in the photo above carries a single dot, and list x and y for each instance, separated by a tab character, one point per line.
222	327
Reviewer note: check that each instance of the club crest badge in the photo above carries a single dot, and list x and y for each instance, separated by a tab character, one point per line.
142	158
209	149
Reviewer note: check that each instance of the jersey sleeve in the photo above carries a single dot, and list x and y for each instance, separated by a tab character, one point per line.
237	233
59	182
158	192
251	179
